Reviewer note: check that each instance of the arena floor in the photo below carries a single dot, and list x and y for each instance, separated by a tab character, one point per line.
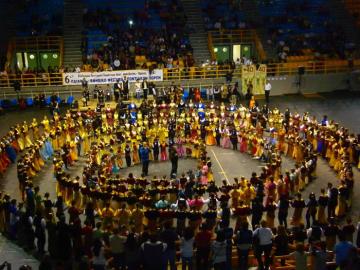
342	107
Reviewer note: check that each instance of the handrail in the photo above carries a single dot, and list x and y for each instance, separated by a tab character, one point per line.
43	79
191	73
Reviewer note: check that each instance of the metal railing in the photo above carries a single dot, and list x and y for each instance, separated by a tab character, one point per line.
206	72
43	79
192	73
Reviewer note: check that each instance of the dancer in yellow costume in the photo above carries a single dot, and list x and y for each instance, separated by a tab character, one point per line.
35	128
20	138
27	139
210	138
46	124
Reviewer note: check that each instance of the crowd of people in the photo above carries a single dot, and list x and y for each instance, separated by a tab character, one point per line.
39	18
129	220
304	29
159	48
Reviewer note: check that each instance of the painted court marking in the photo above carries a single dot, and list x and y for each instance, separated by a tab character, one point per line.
221	167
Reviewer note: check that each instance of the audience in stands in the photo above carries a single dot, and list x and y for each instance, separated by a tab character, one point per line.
298	28
134	42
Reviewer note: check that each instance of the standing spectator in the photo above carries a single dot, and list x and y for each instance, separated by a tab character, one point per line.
281	243
349	230
263	237
267	91
202	243
300	257
331	231
132	255
342	249
320	256
244	239
152	253
218	251
40	225
228	234
99	260
315	233
117	242
186	249
63	240
169	237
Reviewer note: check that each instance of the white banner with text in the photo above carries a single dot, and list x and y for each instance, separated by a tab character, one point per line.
110	77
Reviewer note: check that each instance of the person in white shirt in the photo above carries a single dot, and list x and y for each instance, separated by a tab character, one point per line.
217	92
187	248
267	92
210	93
263	237
138	89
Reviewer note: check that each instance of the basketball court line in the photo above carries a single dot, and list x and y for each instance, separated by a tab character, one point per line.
221	167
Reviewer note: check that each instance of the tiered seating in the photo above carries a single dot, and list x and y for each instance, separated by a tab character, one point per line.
353	6
223	14
41	17
303	28
140	34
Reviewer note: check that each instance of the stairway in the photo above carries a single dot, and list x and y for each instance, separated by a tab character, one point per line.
347	22
73	25
254	18
198	35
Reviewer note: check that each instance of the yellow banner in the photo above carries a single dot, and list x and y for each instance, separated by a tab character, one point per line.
260	80
247	76
253	77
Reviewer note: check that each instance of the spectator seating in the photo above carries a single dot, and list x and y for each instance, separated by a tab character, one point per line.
223	14
41	17
140	34
353	6
303	30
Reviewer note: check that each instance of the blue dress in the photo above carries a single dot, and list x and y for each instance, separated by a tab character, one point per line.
10	151
43	153
320	146
48	148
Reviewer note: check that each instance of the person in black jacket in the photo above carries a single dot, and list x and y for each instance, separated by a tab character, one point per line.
283	206
333	200
311	209
156	149
128	155
174	158
244	239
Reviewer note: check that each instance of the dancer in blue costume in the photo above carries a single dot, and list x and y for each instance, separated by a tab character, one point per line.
10	151
48	147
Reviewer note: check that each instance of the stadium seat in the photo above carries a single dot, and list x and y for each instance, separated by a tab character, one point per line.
29	102
186	94
14	102
47	101
70	100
